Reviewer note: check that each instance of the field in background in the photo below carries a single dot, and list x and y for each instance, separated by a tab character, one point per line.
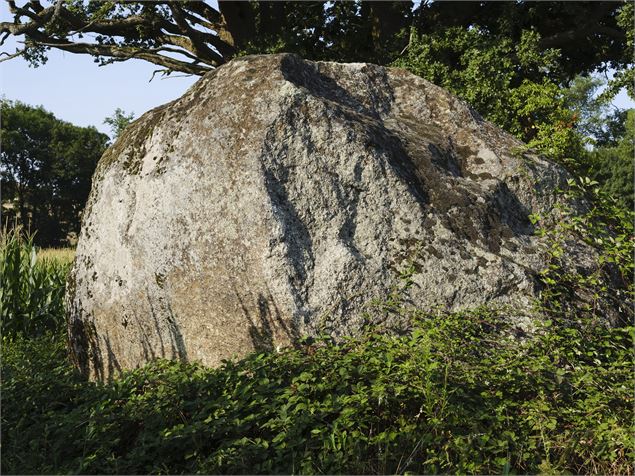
32	286
62	255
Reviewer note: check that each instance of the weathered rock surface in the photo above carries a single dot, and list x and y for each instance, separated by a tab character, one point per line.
279	197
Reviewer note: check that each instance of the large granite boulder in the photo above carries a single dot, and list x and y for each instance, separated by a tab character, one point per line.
280	197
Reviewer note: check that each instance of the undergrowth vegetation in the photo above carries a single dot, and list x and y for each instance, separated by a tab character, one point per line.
598	286
451	396
467	392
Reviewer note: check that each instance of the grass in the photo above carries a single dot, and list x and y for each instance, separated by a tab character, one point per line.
61	255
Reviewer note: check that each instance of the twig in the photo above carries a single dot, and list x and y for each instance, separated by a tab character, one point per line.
11	56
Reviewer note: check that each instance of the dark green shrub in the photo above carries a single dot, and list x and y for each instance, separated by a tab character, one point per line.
613	165
457	394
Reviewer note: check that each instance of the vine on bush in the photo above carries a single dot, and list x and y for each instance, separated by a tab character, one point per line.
603	285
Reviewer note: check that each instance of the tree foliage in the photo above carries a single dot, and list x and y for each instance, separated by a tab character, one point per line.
612	164
592	113
194	36
514	64
119	121
46	170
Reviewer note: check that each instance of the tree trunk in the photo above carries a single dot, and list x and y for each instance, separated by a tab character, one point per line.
240	23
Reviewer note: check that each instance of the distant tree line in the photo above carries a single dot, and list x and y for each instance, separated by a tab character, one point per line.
46	171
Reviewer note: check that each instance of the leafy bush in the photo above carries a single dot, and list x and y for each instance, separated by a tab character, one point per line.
31	289
456	394
612	166
600	286
503	80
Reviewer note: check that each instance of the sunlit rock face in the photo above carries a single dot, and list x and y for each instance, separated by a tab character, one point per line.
280	198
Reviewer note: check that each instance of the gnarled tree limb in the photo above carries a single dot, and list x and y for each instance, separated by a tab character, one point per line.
142	32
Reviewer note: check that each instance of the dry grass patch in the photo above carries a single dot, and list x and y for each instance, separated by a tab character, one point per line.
62	255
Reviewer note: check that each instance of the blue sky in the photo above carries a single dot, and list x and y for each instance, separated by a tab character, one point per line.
76	89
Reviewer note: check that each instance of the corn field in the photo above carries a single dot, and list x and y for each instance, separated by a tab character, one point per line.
31	287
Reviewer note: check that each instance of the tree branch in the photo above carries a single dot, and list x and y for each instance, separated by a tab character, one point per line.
199	48
585	31
11	56
149	27
58	9
589	25
122	53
